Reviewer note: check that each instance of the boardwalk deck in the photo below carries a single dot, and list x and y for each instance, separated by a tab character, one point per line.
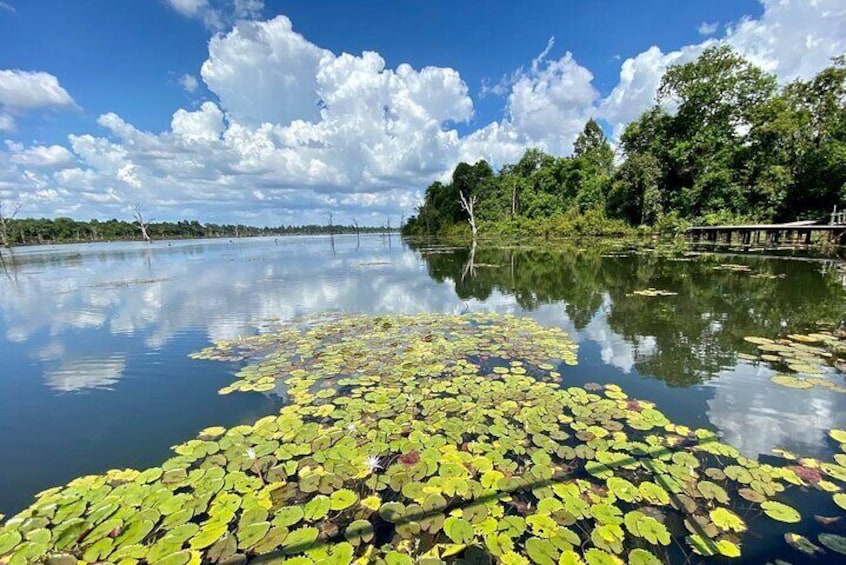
773	234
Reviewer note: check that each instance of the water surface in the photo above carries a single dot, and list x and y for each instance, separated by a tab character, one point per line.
94	339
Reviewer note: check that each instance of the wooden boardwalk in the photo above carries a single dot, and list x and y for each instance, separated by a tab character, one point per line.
834	231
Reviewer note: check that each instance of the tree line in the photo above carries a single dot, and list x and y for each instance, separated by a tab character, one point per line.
35	231
723	142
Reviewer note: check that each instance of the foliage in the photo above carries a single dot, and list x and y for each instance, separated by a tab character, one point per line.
722	144
34	231
428	438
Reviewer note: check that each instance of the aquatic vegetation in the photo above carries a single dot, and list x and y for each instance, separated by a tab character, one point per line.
423	439
651	292
734	267
811	355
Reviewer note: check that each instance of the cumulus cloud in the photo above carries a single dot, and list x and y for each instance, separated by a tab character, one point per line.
24	91
218	14
547	107
292	129
793	39
40	156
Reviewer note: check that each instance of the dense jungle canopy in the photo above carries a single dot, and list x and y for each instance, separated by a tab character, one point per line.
723	142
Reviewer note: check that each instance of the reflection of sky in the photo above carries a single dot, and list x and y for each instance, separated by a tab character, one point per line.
755	415
70	376
615	349
123	318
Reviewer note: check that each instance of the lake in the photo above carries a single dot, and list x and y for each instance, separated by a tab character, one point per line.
95	339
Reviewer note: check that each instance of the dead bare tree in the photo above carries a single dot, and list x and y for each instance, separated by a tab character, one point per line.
139	220
470	264
468	205
5	220
357	236
331	225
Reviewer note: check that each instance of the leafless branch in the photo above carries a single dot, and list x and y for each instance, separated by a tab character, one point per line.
139	220
468	205
5	218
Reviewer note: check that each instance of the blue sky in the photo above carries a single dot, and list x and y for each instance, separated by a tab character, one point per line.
208	109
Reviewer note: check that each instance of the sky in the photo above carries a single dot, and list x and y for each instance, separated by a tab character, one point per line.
271	112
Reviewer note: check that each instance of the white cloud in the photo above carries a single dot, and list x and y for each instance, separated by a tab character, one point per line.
793	39
292	129
189	83
218	14
203	125
547	107
706	28
188	7
8	7
26	90
7	123
265	72
40	156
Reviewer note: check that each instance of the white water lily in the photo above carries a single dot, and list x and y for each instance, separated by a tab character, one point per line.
351	427
373	463
251	453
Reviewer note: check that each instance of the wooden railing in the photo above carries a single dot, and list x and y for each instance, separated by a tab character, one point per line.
838	218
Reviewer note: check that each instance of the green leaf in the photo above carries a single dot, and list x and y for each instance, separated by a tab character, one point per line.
713	491
595	556
342	499
512	526
643	557
359	531
288	515
396	558
208	535
801	543
8	540
727	520
780	512
833	542
251	534
541	551
300	539
317	508
458	530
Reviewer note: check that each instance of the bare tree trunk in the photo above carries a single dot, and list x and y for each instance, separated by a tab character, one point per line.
470	265
513	198
357	237
5	219
139	220
468	205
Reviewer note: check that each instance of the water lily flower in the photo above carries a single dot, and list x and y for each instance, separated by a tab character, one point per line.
351	427
251	453
373	463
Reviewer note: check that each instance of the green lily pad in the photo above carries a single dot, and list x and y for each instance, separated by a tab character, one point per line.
833	542
780	512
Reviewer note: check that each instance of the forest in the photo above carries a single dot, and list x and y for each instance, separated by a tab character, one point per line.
38	231
723	142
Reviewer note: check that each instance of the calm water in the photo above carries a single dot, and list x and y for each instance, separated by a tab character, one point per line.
94	339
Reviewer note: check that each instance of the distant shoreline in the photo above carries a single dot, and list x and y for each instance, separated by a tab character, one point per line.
31	245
